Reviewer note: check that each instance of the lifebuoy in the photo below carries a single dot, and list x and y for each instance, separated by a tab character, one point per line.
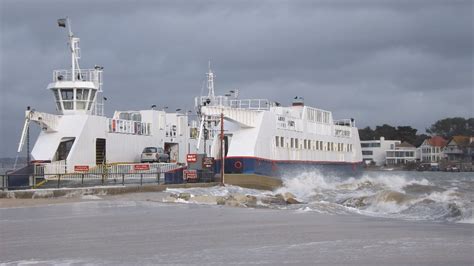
238	164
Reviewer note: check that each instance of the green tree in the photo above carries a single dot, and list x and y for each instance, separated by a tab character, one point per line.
406	133
450	127
386	131
366	134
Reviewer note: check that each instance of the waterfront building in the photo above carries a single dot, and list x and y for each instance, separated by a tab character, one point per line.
402	154
375	151
431	150
456	149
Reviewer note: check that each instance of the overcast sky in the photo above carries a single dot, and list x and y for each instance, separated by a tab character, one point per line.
396	62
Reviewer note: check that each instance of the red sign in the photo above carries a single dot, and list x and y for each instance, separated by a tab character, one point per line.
190	174
191	158
81	168
141	167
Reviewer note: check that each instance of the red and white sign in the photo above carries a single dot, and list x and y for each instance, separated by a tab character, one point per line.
141	167
81	168
190	174
191	158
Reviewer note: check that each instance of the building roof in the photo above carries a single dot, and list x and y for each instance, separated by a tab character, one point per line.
405	145
461	140
436	141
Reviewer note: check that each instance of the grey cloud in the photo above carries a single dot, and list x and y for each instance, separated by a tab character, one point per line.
359	59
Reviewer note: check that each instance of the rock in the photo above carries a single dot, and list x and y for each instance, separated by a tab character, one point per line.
204	199
184	196
220	200
277	199
290	198
233	203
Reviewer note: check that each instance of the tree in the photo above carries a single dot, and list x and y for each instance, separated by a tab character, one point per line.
386	131
366	134
450	127
406	133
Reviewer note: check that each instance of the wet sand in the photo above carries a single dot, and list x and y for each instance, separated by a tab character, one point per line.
139	229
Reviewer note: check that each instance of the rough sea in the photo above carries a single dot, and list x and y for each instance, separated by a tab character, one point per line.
429	196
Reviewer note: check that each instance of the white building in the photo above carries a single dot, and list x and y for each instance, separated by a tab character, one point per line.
402	154
375	151
431	150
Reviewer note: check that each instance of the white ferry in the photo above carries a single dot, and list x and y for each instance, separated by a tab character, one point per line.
264	139
80	134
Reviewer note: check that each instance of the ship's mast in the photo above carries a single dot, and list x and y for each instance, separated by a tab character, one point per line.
74	45
210	83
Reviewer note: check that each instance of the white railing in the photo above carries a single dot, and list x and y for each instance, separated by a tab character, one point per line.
93	75
56	170
344	122
224	101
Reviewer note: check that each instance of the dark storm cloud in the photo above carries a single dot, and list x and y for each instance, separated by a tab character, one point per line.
397	62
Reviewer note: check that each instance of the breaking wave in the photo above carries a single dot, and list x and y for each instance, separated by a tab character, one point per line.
405	195
435	196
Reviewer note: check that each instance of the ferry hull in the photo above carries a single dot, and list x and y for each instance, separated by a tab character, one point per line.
285	169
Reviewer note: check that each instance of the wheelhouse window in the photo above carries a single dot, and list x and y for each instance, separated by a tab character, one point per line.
67	96
82	95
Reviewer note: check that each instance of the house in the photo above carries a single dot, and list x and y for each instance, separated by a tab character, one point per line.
402	154
374	151
431	150
457	149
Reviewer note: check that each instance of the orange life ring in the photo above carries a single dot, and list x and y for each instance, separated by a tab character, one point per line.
238	164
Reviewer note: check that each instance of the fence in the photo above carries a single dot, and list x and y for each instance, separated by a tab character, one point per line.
114	174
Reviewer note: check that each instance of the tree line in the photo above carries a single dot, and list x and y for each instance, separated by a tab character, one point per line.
447	128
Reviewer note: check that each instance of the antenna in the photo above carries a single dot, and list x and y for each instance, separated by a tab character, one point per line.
210	82
74	45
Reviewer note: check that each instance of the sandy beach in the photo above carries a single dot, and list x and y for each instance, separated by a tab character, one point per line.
139	228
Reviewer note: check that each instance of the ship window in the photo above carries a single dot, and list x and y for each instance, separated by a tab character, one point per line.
67	94
68	105
282	141
296	143
82	94
56	95
277	141
292	141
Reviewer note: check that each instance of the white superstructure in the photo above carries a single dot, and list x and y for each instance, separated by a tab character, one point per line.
258	132
80	134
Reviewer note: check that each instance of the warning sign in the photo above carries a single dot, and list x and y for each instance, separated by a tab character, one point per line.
190	174
141	167
191	158
81	168
207	162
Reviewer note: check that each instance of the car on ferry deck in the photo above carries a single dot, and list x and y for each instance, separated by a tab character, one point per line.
154	154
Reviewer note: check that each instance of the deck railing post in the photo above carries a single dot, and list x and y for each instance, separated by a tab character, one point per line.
158	177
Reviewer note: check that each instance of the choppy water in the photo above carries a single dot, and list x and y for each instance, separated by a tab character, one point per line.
434	196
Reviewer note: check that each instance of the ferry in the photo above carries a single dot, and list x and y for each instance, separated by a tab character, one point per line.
260	138
250	139
80	133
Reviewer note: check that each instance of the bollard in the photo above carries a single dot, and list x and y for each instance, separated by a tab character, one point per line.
59	180
123	179
82	179
141	179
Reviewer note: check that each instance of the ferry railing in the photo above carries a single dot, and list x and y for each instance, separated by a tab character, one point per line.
92	75
73	180
224	101
345	122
